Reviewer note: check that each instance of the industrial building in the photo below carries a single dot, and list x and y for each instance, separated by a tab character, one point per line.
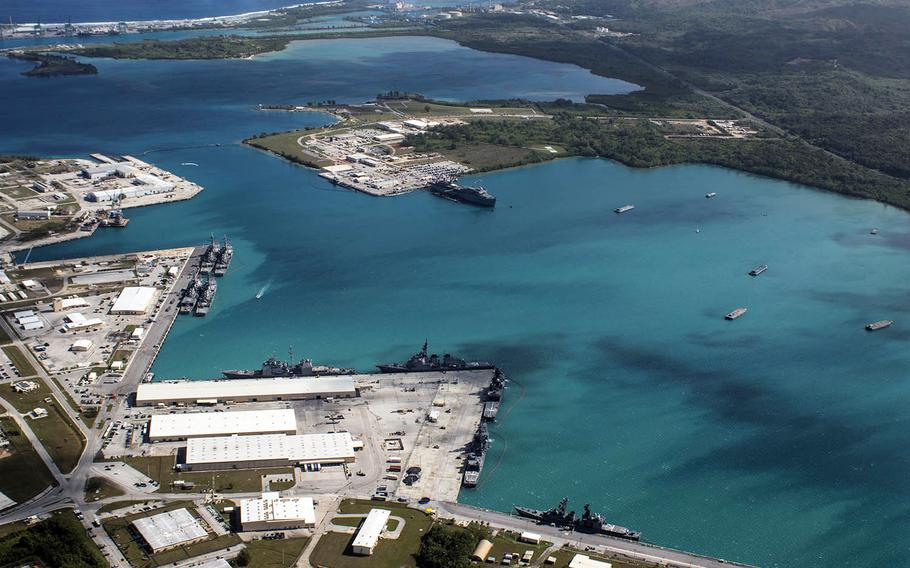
585	561
170	529
368	535
63	304
78	322
273	512
81	345
244	390
268	450
134	300
482	550
169	427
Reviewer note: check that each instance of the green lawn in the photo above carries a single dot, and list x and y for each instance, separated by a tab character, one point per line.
507	541
286	146
276	553
22	473
334	549
4	337
109	507
565	555
161	469
98	488
18	358
57	432
355	522
119	530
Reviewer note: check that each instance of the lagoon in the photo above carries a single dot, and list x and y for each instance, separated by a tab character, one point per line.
778	439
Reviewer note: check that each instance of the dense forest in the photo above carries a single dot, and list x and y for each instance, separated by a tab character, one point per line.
57	541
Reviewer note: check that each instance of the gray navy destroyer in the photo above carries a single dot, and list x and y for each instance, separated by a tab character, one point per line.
588	522
424	361
464	193
480	443
276	368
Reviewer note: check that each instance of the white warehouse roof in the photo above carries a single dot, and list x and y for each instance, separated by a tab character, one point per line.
197	424
368	535
301	448
133	300
272	508
148	393
585	561
169	529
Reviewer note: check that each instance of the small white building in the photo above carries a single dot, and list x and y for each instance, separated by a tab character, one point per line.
78	322
529	537
418	124
134	300
38	412
368	535
81	345
273	512
137	334
389	138
585	561
63	304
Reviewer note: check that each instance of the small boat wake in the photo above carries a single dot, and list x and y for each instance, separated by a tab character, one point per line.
189	164
262	290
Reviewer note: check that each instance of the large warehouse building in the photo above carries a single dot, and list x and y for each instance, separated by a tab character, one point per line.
134	300
368	536
273	512
170	530
244	390
171	427
268	450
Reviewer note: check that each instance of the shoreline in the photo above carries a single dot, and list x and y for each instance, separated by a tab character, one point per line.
201	20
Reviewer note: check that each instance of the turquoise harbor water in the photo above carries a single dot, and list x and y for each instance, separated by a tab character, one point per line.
778	439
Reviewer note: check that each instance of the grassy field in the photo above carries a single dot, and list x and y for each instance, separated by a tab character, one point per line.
161	469
507	541
98	488
119	530
276	553
22	474
356	521
59	436
4	337
564	557
285	145
109	507
18	358
334	549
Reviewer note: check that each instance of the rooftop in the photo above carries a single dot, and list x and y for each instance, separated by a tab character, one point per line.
168	529
197	390
214	423
271	507
296	448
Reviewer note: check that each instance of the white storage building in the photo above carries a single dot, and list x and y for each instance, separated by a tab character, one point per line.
368	536
170	529
208	424
63	304
268	450
273	512
81	345
244	390
585	561
77	322
134	300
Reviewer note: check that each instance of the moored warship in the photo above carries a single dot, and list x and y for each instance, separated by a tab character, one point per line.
464	193
274	367
476	457
223	260
423	361
589	522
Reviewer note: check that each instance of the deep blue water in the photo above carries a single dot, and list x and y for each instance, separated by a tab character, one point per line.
778	439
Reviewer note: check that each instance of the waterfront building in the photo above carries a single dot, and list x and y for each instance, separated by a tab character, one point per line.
244	390
134	300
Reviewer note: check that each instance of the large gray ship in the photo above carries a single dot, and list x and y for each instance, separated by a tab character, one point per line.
588	522
423	361
463	193
276	368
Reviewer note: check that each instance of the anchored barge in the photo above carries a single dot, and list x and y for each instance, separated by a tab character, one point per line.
736	313
758	270
879	325
624	209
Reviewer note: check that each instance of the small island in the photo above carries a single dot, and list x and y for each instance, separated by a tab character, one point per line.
51	65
